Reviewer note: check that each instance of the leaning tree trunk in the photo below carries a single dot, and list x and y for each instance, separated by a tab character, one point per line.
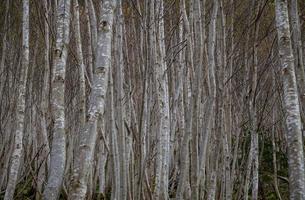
293	121
58	152
96	103
18	146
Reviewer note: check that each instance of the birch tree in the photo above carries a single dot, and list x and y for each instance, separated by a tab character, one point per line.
119	105
212	91
18	137
298	53
163	104
151	100
96	102
81	66
292	108
58	148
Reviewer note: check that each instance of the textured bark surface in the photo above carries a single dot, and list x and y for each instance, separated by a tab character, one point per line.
18	137
293	121
296	33
58	151
96	103
186	133
42	138
152	99
161	191
119	104
213	159
81	66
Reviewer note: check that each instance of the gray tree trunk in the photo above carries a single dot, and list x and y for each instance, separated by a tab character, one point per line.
44	157
186	136
163	103
293	121
96	103
58	151
118	102
18	146
298	54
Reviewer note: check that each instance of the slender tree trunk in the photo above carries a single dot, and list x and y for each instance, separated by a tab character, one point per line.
253	114
163	103
119	98
18	146
116	185
94	30
81	67
186	136
276	186
293	121
4	41
298	54
58	151
198	61
90	48
225	110
96	103
212	90
44	157
81	93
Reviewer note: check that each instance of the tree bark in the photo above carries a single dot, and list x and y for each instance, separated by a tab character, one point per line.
293	121
184	152
58	151
18	146
81	67
96	103
163	103
43	141
119	104
298	54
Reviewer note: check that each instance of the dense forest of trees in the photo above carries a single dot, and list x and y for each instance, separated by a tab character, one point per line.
152	99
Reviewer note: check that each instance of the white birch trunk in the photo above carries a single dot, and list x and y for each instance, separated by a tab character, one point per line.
293	121
298	53
165	120
96	103
18	146
58	151
253	117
